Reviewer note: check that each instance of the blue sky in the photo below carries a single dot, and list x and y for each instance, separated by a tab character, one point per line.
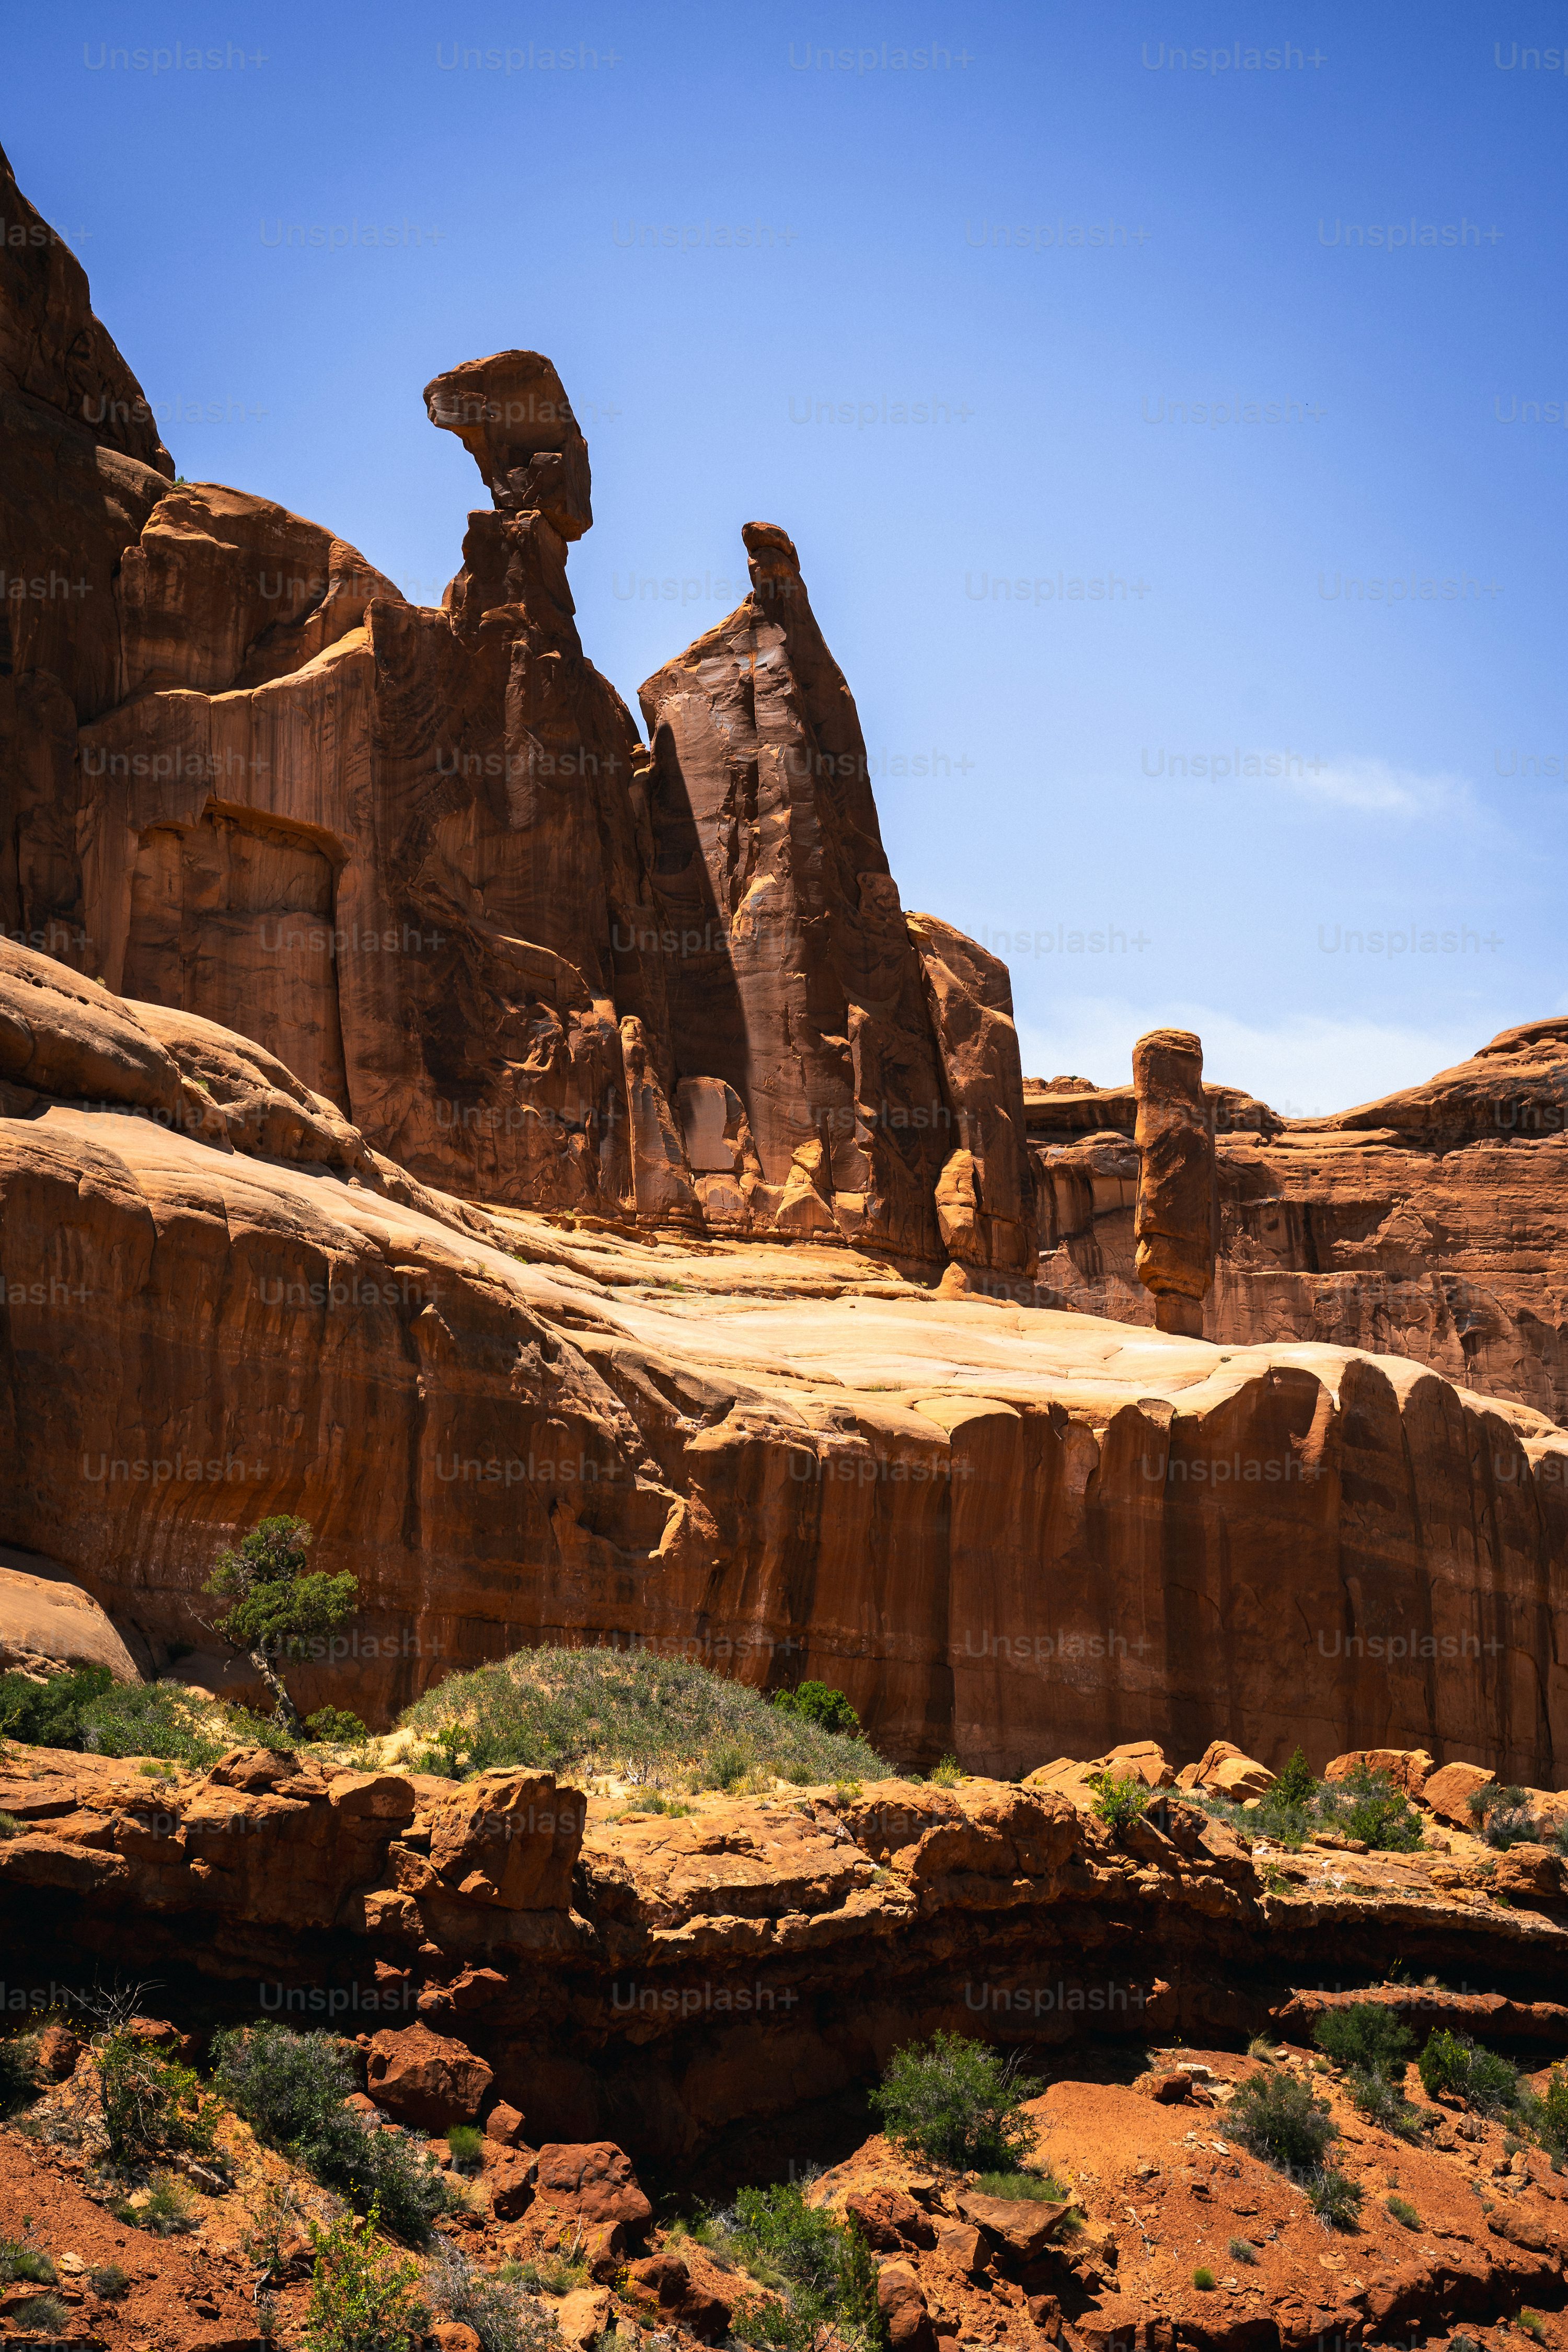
1064	232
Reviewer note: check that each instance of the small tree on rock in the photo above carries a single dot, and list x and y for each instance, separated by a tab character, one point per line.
277	1610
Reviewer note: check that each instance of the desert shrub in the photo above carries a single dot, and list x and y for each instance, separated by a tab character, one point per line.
1367	1805
335	1726
502	2317
1119	1798
1375	2098
1203	2279
46	2315
107	2280
726	1764
467	2145
85	1708
823	2267
48	1714
1402	2211
946	1772
545	2274
1024	2187
820	1704
1296	1783
1241	2248
278	1608
1534	2326
28	2265
1334	2197
1453	2063
167	2210
1503	1817
1552	2120
153	1719
291	2089
955	2102
648	1717
151	2106
1367	2037
363	2299
1275	2117
20	2083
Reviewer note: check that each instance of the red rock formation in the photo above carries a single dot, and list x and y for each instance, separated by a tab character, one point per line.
1173	1219
1432	1225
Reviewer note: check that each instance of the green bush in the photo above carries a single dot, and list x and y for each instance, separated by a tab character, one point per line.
1334	2197
1275	2117
820	1704
107	2280
1295	1784
823	2267
1241	2248
46	2315
1119	1798
151	2106
946	1772
1552	2121
1367	2037
1403	2212
1367	1805
26	2263
1453	2063
467	2145
1504	1818
1203	2279
1375	2098
86	1708
627	1712
291	2089
167	2210
1024	2187
20	2081
361	2298
726	1764
956	2102
335	1726
545	2274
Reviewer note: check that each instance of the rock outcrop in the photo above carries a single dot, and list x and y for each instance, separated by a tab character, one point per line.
1433	1224
1173	1219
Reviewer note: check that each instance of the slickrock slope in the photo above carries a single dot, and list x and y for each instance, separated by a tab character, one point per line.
1433	1224
998	1529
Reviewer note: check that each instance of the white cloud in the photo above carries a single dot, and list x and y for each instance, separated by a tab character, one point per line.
1380	789
1305	1065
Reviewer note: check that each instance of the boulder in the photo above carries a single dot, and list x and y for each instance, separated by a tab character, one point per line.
46	1623
582	2315
888	2219
663	2288
504	2124
1406	1767
1224	1770
903	2309
1023	2226
509	1838
1448	1792
423	2078
593	2182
